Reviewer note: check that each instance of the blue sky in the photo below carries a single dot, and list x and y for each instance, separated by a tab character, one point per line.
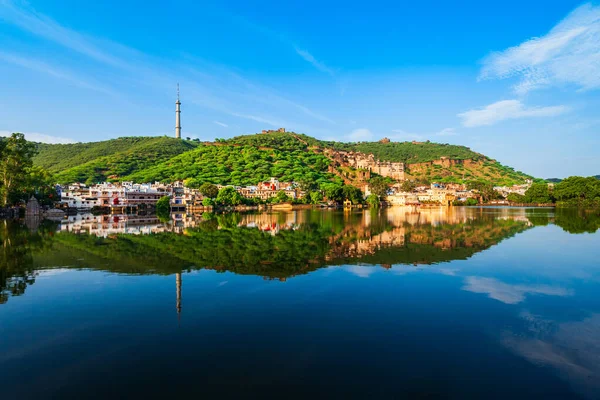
516	80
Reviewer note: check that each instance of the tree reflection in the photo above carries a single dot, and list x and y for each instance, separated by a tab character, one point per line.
272	245
17	269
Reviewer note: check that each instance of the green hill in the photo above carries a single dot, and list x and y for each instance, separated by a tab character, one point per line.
249	159
238	165
410	152
109	160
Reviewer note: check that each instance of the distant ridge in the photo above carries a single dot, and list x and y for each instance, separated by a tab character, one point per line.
557	180
249	159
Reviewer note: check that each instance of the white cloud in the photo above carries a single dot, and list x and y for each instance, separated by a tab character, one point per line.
571	348
361	134
221	124
509	294
568	54
360	270
447	132
506	109
40	137
316	63
40	66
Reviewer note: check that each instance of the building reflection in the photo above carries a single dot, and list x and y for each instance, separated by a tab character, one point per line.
273	245
274	222
178	291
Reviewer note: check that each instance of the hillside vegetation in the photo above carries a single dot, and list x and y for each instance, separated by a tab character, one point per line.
249	159
409	152
238	165
483	170
109	160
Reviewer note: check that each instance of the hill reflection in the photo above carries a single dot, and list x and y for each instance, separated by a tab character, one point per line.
271	245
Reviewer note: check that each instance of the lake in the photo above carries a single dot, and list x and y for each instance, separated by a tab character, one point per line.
437	303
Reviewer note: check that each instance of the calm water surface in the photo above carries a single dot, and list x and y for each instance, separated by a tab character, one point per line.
460	303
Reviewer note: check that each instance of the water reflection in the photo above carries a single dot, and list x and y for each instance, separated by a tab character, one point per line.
572	348
273	245
420	289
507	293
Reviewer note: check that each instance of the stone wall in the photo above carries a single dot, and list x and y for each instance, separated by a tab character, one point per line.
366	163
444	163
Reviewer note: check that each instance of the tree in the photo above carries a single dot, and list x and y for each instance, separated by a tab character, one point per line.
516	198
485	189
16	155
577	188
353	194
538	193
408	186
208	202
316	197
228	196
378	186
163	206
281	197
333	191
209	190
373	200
307	185
39	183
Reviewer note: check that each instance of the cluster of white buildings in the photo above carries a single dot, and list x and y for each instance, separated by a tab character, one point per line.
518	189
444	194
129	194
125	194
435	193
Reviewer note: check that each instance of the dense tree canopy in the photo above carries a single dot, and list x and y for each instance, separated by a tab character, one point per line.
409	152
538	193
378	186
353	194
577	189
485	189
209	190
18	178
114	159
238	165
228	196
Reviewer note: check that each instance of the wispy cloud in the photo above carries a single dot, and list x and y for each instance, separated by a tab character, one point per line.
400	134
360	270
509	294
506	109
221	124
285	40
571	348
28	19
40	137
361	134
316	63
205	85
447	132
40	66
568	54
